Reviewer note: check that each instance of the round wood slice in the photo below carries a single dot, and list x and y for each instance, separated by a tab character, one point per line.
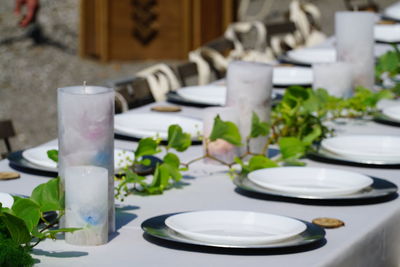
9	175
166	108
328	222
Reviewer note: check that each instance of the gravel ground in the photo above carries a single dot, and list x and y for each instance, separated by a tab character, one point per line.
29	74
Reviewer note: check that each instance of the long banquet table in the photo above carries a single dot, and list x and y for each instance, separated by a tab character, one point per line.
370	237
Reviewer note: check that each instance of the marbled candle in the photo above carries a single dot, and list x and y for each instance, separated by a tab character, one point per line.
355	44
249	89
86	204
219	148
86	134
335	77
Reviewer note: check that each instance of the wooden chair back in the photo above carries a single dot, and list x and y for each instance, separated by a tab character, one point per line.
186	71
6	132
135	92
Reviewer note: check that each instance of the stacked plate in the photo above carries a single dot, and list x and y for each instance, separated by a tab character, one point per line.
310	182
309	56
373	149
393	11
286	76
233	229
38	156
141	125
224	227
388	33
215	94
392	112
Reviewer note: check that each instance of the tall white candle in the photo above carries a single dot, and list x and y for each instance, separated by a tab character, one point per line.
355	44
86	204
335	77
86	133
220	149
249	90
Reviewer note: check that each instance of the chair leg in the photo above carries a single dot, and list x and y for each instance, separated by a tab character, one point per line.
8	145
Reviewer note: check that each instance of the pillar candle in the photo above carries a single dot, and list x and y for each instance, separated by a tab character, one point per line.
249	88
335	77
86	204
86	133
219	148
355	44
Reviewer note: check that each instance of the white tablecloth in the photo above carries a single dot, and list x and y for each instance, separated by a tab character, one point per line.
371	236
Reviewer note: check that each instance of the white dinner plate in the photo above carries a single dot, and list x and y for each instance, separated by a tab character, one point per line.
393	11
309	181
387	33
6	200
227	227
207	94
292	76
141	125
392	112
374	148
38	156
313	55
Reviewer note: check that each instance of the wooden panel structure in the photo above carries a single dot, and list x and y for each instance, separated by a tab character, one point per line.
150	29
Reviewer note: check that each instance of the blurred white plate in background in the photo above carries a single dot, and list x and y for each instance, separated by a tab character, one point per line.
310	181
377	148
141	125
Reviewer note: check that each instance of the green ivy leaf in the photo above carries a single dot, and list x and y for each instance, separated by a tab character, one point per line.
258	128
177	139
146	146
47	196
314	135
225	130
291	148
53	154
172	160
27	210
17	228
260	162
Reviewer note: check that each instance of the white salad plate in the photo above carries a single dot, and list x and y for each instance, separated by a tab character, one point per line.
141	125
310	181
393	11
38	156
6	200
207	94
313	55
228	227
392	112
368	148
292	76
387	33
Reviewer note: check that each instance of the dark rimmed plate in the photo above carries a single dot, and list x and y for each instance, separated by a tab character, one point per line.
19	163
382	118
284	58
174	97
156	227
379	189
327	157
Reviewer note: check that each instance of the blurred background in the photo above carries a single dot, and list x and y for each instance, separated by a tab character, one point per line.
72	41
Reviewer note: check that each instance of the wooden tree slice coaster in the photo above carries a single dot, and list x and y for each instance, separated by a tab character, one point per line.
166	108
328	222
9	175
386	22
